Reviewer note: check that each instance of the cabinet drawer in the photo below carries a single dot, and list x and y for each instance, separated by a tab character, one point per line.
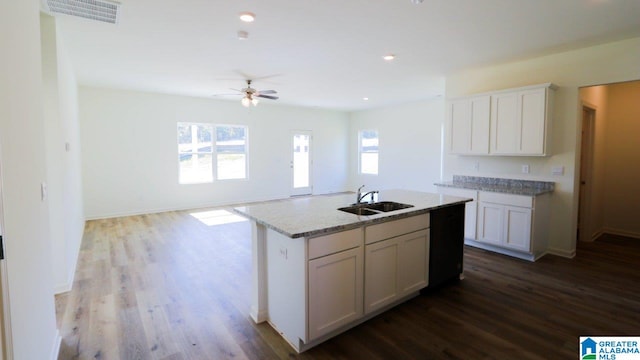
506	199
330	244
394	228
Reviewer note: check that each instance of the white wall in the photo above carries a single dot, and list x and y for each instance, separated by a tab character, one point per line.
23	168
622	199
595	97
63	166
612	62
129	160
409	144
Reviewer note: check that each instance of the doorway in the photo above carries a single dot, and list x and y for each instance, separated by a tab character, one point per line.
301	163
586	166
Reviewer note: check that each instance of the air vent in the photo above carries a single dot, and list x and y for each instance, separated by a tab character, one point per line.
99	10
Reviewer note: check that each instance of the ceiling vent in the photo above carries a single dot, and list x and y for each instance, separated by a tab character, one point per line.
99	10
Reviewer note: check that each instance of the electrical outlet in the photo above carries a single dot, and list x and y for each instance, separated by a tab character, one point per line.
283	252
476	166
525	169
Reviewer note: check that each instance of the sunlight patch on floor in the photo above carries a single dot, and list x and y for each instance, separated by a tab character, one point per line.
217	217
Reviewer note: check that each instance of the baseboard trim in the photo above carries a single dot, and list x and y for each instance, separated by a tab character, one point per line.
562	252
619	232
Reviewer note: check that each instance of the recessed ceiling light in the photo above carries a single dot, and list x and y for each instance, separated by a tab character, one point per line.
417	1
247	16
365	98
389	57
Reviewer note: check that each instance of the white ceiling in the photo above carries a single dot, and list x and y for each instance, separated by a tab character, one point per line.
328	53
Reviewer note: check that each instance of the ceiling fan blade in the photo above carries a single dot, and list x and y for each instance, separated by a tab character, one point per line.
268	97
226	94
267	92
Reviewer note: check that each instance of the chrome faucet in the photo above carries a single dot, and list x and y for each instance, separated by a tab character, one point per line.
360	195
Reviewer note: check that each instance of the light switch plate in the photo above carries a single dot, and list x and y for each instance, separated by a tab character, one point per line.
557	170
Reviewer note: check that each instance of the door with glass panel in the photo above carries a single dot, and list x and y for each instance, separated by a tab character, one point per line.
301	163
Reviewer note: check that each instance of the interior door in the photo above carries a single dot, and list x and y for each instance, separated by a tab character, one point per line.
301	163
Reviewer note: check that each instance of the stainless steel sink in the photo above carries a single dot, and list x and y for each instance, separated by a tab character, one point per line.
358	210
374	208
386	206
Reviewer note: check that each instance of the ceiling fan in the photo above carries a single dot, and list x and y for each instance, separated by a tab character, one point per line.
251	95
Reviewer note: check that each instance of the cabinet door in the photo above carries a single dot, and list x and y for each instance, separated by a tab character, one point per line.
381	274
469	121
413	260
505	136
460	126
532	122
480	120
335	291
490	223
517	228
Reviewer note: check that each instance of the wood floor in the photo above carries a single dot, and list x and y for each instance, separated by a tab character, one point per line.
168	286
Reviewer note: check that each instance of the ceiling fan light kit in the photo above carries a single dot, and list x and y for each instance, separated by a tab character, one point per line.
247	16
243	35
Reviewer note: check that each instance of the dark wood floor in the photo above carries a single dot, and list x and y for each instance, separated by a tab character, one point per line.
167	286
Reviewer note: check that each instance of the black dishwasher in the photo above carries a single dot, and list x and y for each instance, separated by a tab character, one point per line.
446	244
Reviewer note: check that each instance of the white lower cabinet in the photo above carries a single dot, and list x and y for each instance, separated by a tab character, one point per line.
516	225
335	284
503	225
318	287
395	268
510	222
335	291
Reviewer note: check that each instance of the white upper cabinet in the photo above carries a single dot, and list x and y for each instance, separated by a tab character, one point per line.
469	120
513	122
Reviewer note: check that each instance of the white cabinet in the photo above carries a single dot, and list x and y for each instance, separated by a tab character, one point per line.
506	221
520	121
395	268
469	120
470	208
513	122
335	284
506	226
335	291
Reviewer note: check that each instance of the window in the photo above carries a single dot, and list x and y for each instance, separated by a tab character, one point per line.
231	152
195	153
368	151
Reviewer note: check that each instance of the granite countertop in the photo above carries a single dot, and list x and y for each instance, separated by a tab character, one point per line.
507	186
317	215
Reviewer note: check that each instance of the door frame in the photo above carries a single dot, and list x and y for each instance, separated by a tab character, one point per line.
308	190
6	342
585	174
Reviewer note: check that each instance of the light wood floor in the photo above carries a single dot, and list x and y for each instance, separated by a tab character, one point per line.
167	286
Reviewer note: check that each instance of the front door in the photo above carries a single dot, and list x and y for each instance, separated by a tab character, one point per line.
301	163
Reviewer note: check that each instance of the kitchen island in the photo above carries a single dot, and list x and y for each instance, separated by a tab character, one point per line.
318	271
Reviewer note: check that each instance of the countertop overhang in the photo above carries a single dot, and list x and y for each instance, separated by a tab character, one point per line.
317	215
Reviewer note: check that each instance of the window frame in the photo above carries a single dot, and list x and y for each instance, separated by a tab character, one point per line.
216	173
180	153
360	152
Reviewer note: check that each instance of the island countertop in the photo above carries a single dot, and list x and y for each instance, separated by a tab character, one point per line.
317	215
